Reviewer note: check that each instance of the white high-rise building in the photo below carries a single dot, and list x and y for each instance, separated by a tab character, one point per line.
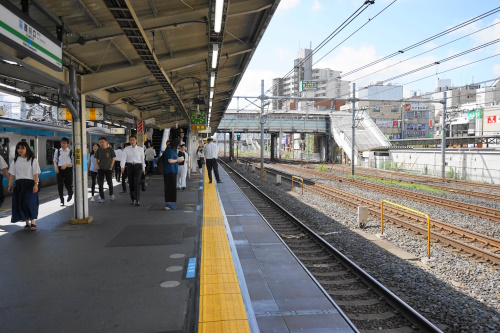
329	83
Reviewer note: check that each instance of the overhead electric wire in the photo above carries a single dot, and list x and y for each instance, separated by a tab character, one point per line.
426	77
422	42
437	47
370	20
324	42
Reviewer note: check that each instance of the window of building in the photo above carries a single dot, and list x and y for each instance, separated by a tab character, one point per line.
394	108
376	108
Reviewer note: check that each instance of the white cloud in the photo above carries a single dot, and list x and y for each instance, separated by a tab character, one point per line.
288	4
496	69
283	54
317	6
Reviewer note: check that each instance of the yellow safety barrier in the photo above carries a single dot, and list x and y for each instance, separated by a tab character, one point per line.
295	177
411	210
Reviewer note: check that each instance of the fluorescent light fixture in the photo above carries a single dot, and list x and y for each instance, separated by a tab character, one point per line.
219	5
212	79
215	54
210	104
211	93
9	62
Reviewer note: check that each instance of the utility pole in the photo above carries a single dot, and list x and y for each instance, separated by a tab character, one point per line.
443	139
261	128
353	126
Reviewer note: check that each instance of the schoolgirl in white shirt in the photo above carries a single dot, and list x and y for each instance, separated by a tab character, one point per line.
25	170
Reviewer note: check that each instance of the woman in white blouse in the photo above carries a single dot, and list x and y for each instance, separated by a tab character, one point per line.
25	170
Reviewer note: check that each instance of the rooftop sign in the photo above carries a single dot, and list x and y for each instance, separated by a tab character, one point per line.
308	85
24	34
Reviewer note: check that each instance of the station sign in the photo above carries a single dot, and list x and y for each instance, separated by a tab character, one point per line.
129	120
24	34
308	85
117	130
91	114
149	121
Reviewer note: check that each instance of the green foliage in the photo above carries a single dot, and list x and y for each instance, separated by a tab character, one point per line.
287	155
450	174
426	170
322	168
402	184
464	174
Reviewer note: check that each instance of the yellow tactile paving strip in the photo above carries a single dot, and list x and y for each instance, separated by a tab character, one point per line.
221	304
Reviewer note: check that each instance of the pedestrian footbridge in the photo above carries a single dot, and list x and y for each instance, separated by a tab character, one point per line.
337	124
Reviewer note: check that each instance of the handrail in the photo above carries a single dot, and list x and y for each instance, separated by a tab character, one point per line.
295	177
411	210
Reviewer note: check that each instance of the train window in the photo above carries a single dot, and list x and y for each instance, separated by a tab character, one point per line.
4	149
32	145
50	147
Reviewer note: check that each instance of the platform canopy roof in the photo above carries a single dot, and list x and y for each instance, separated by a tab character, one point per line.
143	58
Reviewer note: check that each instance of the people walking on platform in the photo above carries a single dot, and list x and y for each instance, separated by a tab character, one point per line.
150	156
170	175
92	166
118	158
105	160
200	158
3	168
63	165
124	174
149	137
210	151
133	159
183	167
25	170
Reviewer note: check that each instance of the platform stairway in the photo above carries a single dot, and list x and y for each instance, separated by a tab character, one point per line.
157	136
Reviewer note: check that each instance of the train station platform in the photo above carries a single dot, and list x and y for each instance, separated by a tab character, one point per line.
212	265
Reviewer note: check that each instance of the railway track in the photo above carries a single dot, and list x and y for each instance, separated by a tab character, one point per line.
433	179
461	191
480	247
366	302
470	209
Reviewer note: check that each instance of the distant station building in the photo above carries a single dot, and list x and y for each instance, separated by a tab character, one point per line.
319	82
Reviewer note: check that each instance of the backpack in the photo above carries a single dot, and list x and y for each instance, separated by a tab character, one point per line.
160	164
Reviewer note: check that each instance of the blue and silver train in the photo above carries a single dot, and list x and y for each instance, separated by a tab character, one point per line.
44	139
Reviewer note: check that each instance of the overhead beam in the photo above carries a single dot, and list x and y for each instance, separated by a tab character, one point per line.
112	78
135	92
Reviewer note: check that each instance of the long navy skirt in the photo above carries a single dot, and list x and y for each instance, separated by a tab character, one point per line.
24	201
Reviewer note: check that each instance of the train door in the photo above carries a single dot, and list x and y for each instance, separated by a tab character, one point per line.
31	141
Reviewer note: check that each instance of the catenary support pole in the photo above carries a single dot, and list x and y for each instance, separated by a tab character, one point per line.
261	128
443	139
353	126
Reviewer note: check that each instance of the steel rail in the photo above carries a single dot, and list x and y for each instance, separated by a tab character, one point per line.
462	191
437	180
475	210
355	201
409	313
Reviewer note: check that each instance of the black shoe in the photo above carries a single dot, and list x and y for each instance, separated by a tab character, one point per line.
137	203
70	196
219	181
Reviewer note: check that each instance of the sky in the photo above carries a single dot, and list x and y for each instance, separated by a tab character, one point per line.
299	23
